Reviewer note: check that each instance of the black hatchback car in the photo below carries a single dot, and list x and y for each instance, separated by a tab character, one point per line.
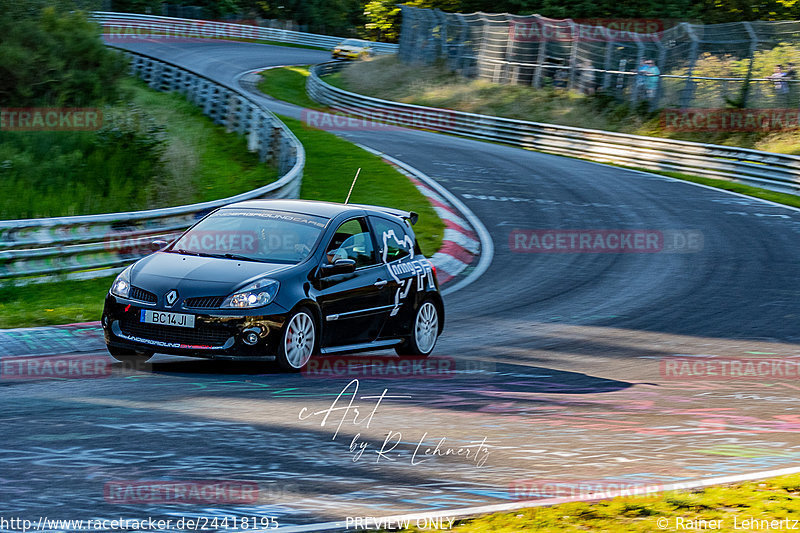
279	280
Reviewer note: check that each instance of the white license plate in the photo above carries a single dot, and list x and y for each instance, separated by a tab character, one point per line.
163	318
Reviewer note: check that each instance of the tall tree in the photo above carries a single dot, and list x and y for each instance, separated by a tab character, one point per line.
53	55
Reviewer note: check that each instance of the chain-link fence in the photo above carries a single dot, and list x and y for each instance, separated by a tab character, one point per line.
665	63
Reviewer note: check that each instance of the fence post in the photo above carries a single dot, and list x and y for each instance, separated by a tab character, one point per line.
541	56
687	95
660	63
607	64
406	45
637	85
753	46
509	55
482	52
573	54
442	48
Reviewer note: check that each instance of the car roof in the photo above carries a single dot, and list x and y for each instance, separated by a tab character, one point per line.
313	207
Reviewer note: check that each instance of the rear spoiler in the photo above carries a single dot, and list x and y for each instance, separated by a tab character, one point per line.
411	216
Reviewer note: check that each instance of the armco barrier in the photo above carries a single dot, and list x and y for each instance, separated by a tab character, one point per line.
133	26
763	169
92	244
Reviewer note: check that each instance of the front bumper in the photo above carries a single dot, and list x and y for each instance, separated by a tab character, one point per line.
345	55
217	333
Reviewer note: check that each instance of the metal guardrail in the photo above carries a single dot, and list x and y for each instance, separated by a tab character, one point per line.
769	170
129	26
89	245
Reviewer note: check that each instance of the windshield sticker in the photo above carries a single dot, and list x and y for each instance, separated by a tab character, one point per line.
297	219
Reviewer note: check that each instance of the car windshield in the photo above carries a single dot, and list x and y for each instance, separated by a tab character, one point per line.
352	42
253	235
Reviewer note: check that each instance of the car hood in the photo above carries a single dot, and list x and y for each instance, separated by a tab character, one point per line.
195	276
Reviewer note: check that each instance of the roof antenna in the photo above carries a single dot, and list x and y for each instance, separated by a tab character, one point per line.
352	185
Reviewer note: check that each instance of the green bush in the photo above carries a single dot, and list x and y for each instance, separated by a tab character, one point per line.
51	55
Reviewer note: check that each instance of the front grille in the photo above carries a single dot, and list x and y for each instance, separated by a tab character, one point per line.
204	302
204	335
142	295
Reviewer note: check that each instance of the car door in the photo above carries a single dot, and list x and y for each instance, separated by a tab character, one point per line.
409	273
354	305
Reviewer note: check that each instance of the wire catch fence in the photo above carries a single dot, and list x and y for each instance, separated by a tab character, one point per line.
663	62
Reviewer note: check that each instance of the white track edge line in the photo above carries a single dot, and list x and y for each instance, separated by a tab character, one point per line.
487	245
494	508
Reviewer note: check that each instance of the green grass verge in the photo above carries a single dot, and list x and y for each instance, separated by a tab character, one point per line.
775	499
63	302
287	84
202	157
336	80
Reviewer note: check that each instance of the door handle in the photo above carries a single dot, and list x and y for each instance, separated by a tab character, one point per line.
380	283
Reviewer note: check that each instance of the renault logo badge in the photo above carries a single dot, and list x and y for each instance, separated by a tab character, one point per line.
172	297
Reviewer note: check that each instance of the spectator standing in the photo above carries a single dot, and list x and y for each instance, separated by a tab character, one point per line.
652	78
560	77
641	76
791	88
588	83
780	85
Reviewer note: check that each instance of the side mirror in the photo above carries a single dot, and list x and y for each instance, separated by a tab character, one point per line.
158	244
340	266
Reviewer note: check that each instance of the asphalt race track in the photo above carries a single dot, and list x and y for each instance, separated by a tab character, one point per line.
563	362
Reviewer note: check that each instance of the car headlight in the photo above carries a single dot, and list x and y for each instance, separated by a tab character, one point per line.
122	285
256	294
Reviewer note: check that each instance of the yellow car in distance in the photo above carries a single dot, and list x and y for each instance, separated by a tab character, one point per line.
352	49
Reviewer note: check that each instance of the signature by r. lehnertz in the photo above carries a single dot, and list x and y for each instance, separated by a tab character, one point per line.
361	416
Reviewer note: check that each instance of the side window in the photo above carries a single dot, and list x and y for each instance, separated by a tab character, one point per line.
393	241
352	241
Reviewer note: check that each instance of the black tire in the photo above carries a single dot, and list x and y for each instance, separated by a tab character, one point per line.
301	326
424	331
124	355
